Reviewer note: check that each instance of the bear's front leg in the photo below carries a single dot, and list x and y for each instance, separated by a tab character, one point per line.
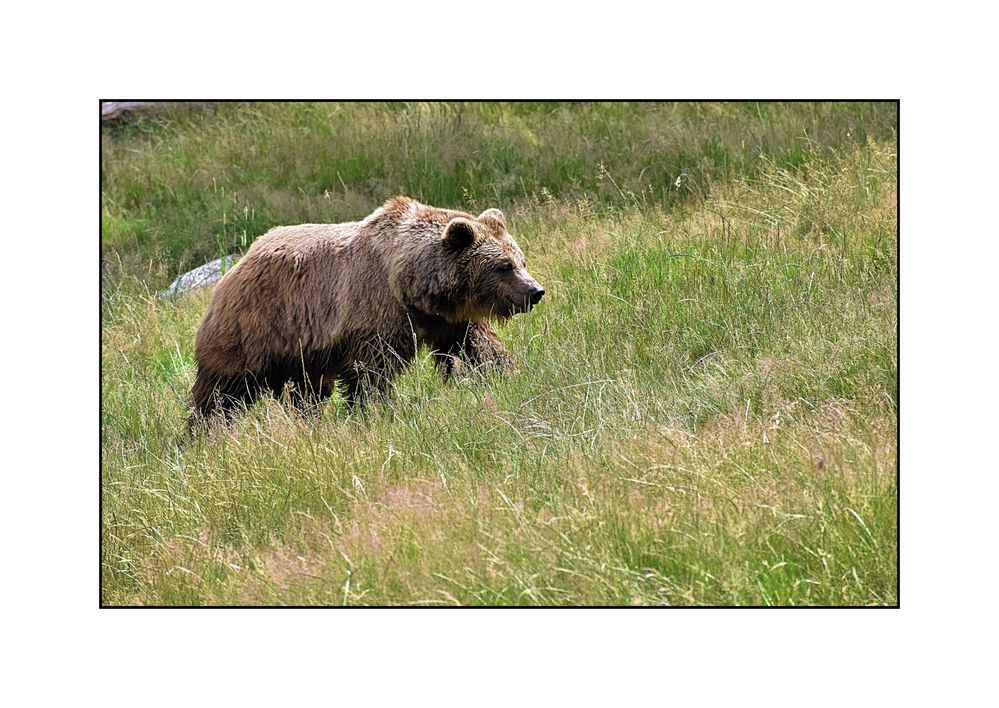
373	367
310	393
219	396
474	345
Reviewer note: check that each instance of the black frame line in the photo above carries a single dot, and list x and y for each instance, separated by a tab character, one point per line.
898	381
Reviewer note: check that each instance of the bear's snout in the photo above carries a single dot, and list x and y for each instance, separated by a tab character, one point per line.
530	297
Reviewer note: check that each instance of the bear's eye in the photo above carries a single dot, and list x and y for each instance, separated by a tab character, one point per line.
505	267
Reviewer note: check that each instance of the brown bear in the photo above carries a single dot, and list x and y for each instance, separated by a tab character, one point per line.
322	305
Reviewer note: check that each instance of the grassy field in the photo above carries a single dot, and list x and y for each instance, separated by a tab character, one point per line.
704	409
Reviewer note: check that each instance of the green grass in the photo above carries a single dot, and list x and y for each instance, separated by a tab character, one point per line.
705	405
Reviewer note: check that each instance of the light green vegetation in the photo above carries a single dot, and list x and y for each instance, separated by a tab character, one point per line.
705	406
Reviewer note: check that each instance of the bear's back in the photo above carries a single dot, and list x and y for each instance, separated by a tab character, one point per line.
305	239
288	291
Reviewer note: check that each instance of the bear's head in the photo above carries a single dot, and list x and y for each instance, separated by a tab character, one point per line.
489	268
469	269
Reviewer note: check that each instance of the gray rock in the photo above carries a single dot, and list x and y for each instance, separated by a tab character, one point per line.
201	277
114	110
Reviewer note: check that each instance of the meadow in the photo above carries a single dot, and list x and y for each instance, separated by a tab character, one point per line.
704	407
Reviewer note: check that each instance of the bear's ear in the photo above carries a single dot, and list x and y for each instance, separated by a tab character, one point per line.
459	233
495	214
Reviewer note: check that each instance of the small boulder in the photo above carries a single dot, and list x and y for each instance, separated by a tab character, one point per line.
119	110
201	277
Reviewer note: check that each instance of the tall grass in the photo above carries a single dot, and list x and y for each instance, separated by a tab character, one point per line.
189	183
704	410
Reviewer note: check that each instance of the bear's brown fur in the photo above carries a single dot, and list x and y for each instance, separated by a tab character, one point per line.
318	304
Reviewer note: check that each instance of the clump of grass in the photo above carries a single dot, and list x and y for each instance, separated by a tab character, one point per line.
704	410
